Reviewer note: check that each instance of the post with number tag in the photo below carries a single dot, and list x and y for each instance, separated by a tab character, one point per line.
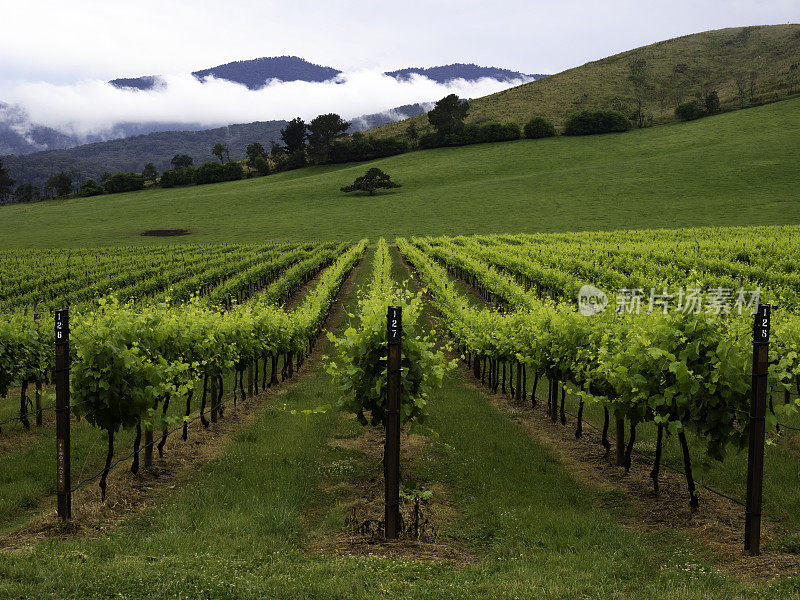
391	448
758	412
63	469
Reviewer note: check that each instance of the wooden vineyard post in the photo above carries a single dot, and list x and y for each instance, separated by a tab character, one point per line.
620	443
148	446
213	399
38	403
391	452
38	385
63	469
755	449
250	379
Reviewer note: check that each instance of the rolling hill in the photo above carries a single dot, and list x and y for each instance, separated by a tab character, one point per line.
746	65
737	168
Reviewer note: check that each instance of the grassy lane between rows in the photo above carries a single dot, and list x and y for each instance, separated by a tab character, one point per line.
235	528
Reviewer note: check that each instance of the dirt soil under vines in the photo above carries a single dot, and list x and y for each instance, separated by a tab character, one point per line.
129	493
363	502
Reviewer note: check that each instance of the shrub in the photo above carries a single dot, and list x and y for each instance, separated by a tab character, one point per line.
27	193
233	171
58	186
212	172
261	165
590	122
497	132
360	147
430	140
712	103
539	127
512	131
167	179
209	172
689	111
469	134
124	182
295	160
90	188
473	134
172	178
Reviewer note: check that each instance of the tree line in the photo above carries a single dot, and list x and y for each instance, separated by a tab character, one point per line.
325	140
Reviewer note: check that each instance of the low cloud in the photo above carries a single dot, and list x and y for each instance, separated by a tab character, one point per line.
92	108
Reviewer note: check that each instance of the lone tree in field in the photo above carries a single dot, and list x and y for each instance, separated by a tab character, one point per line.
221	151
448	115
181	161
373	180
322	132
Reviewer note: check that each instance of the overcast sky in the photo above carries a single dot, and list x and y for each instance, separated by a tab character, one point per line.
75	45
66	41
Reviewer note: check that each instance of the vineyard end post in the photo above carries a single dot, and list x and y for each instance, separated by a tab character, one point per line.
758	411
620	442
391	453
63	468
38	390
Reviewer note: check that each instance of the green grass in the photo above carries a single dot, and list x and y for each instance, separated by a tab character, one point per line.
733	169
710	60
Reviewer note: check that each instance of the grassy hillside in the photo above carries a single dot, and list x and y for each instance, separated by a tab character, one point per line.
674	71
737	168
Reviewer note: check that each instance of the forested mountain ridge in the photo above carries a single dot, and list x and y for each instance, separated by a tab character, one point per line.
468	71
132	153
